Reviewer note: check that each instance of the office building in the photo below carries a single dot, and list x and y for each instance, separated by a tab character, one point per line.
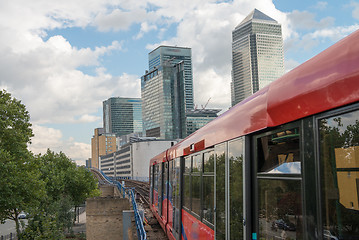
197	118
175	55
257	55
163	105
133	159
101	144
122	116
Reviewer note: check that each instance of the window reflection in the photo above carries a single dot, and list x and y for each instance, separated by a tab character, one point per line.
339	156
187	192
280	212
196	194
220	191
279	153
235	157
197	163
176	193
208	186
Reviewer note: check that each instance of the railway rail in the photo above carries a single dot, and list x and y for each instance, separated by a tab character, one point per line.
142	190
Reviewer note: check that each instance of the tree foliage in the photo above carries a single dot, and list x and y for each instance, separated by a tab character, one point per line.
48	186
66	186
20	186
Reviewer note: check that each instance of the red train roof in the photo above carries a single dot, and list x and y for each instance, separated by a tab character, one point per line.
328	80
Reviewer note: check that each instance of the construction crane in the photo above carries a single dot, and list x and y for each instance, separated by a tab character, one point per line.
203	107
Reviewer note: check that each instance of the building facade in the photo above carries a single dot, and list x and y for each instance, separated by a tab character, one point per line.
197	118
101	144
163	108
174	55
133	159
122	116
257	55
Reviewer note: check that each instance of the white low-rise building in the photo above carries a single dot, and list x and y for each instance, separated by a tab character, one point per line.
133	159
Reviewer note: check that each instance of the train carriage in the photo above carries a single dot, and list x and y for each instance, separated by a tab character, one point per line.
282	164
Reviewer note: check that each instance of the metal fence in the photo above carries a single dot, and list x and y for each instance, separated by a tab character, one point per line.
11	236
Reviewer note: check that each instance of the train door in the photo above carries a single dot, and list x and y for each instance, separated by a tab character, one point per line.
151	183
165	200
160	188
175	197
229	178
277	172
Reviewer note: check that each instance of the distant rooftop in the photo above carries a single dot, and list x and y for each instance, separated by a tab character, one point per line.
257	15
201	112
169	47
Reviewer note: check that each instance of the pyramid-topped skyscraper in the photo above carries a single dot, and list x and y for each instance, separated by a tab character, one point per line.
257	55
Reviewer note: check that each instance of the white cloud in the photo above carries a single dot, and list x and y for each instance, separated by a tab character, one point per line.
355	12
309	33
306	20
119	20
50	138
321	5
145	28
89	118
63	93
335	33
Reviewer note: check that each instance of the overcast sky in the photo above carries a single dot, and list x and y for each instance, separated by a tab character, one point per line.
63	58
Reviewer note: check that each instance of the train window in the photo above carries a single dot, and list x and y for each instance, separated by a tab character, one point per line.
155	185
151	183
196	194
165	193
279	184
280	209
279	153
220	151
196	184
235	158
176	170
208	162
187	183
155	177
208	187
339	156
160	188
188	164
197	163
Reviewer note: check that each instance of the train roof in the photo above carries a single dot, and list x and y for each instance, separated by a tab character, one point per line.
326	81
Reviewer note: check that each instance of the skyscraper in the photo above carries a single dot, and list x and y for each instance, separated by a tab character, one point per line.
163	108
175	55
122	116
257	55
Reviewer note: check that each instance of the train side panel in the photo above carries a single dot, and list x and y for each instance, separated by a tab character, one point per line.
192	228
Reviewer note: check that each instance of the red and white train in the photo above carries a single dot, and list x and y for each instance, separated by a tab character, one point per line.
282	164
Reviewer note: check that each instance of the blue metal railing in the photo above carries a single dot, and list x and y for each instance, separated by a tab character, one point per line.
141	233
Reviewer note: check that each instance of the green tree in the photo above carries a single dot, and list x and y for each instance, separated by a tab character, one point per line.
66	187
20	186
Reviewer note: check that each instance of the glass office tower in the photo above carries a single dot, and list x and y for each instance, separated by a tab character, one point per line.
257	55
122	116
162	92
175	55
